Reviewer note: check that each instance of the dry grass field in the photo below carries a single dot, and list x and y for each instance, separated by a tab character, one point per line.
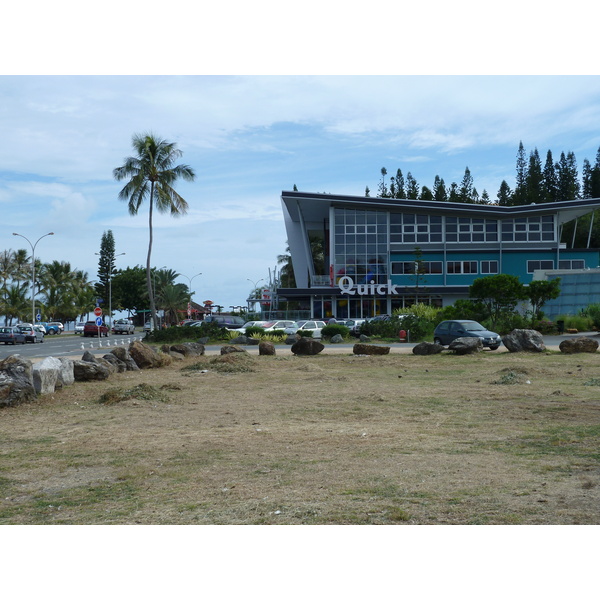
493	438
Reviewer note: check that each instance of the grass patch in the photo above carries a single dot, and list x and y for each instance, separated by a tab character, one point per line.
143	391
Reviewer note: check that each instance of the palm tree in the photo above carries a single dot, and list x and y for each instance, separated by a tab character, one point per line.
152	174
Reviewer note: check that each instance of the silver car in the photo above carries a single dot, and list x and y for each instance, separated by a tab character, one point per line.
32	334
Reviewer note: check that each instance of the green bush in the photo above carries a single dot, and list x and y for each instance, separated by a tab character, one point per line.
545	327
593	313
472	310
579	322
506	322
304	333
419	328
334	329
178	334
255	331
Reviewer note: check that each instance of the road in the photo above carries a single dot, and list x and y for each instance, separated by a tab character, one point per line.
69	345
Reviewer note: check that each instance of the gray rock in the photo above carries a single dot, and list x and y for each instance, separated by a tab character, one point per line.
266	349
576	345
65	374
364	339
524	340
427	348
466	345
84	370
370	349
45	375
143	355
16	381
240	339
227	349
307	347
337	339
291	339
123	355
253	341
119	365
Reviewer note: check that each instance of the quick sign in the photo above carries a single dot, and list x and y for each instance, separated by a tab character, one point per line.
347	286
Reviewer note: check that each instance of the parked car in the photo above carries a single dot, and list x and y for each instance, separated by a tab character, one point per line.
314	326
227	321
123	326
277	325
11	335
90	329
447	331
354	326
148	326
32	334
53	328
79	327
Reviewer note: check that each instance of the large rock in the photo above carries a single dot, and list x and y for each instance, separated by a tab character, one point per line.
370	349
266	349
187	349
240	339
84	370
119	365
466	345
123	355
524	340
109	364
427	348
575	345
291	339
337	339
65	374
16	381
45	375
144	356
227	349
307	347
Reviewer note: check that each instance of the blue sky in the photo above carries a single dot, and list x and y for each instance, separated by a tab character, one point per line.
249	138
256	109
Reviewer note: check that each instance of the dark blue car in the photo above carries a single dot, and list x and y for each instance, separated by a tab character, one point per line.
447	331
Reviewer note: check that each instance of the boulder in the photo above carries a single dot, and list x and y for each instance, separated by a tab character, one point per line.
266	349
65	374
187	349
306	346
16	381
426	348
370	349
466	345
337	339
231	349
524	340
123	355
45	375
119	365
240	339
576	345
364	339
292	338
84	370
253	341
144	356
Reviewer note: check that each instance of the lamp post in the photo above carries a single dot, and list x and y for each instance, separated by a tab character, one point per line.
190	288
255	284
33	272
110	268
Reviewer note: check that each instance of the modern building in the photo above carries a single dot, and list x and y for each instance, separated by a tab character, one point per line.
382	254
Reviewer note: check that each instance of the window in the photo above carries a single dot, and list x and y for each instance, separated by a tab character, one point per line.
461	267
466	230
408	228
571	264
489	267
528	229
408	267
536	265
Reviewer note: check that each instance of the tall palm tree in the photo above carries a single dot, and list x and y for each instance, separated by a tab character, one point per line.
152	174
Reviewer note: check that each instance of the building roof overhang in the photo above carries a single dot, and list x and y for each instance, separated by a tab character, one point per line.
315	207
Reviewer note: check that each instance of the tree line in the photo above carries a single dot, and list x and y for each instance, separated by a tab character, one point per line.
552	181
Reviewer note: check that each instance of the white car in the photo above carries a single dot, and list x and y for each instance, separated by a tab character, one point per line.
314	326
279	325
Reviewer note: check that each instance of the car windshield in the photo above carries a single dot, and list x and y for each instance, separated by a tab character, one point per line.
473	326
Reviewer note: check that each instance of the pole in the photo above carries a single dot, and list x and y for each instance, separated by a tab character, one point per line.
33	272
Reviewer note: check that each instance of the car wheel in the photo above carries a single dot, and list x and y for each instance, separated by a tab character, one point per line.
52	332
494	347
437	341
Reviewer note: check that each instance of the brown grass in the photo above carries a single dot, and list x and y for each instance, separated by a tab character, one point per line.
330	439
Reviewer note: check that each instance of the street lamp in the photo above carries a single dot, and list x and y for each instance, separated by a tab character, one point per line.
255	284
190	289
33	272
110	268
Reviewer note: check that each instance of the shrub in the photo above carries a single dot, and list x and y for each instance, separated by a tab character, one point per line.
579	322
506	322
593	313
545	327
255	331
334	329
463	309
304	333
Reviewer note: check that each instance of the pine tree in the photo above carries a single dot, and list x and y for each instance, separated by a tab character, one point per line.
367	192
534	179
412	187
504	194
586	176
383	191
550	181
454	194
426	193
520	194
439	190
399	188
485	198
466	187
106	264
568	185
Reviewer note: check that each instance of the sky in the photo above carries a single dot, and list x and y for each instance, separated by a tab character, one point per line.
248	138
261	96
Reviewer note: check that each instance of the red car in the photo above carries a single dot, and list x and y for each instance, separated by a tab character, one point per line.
90	329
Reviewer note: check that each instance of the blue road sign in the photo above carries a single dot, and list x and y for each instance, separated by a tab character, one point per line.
98	321
38	317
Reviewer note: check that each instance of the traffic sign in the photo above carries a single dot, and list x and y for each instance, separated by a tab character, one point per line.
38	317
98	321
98	311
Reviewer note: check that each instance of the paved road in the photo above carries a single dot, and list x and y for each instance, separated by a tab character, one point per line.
73	345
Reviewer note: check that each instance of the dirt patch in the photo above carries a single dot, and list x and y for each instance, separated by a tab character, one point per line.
330	439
